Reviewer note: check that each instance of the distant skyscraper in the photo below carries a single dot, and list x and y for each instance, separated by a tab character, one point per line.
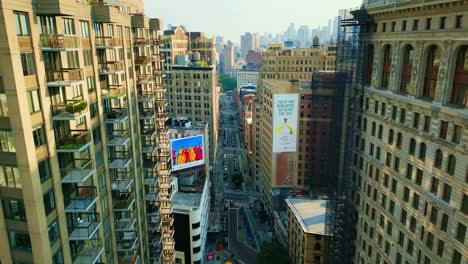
228	57
303	34
249	41
291	33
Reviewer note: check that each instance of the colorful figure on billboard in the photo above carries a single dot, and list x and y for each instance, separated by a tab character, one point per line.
285	128
187	152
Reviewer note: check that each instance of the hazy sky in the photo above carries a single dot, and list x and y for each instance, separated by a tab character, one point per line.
230	18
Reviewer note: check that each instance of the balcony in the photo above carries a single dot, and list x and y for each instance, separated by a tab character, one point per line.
115	115
64	77
161	102
132	259
161	88
153	223
152	195
148	131
145	97
144	78
124	202
70	110
152	210
128	241
149	149
111	67
159	73
165	208
125	224
112	91
80	172
85	199
150	163
118	138
167	221
147	113
86	226
119	159
107	42
161	116
157	57
92	250
121	184
141	42
75	141
151	181
58	42
142	60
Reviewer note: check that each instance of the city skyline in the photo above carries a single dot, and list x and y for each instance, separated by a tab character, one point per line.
234	22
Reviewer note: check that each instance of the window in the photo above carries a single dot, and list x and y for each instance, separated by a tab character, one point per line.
33	101
38	135
447	193
464	204
390	137
443	23
438	159
461	232
399	141
412	147
403	25
435	186
53	231
72	59
434	214
452	162
384	27
444	223
443	129
431	72
14	209
7	143
393	26
196	249
457	257
428	23
407	68
415	24
88	57
459	21
49	202
93	109
403	116
386	68
90	83
394	112
416	118
84	29
427	124
58	258
27	62
68	26
416	201
44	170
22	24
10	177
380	132
19	241
406	193
196	225
47	25
370	67
457	131
3	105
422	151
459	95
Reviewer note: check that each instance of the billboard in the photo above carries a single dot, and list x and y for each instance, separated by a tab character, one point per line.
187	152
285	110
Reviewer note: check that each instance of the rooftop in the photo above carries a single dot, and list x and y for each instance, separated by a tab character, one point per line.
310	214
187	199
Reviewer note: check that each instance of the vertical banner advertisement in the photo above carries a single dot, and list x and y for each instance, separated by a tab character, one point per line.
285	110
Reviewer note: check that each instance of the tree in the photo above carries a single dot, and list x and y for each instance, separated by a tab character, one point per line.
227	83
272	252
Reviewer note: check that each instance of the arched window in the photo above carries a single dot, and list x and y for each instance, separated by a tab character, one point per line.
422	151
452	162
412	146
390	136
387	65
459	94
373	129
399	140
431	73
438	159
408	57
380	131
370	64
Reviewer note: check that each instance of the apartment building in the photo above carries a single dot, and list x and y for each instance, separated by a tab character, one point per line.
410	160
205	46
306	231
74	187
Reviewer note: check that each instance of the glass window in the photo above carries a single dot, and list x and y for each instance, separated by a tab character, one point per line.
22	24
431	72
47	25
20	241
93	109
27	62
3	105
10	177
38	135
452	162
14	209
68	26
44	169
53	231
49	202
88	57
7	143
90	83
58	258
84	29
72	59
33	101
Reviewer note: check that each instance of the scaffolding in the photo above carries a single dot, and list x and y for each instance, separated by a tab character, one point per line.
341	216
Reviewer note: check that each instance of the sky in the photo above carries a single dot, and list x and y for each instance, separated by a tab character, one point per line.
231	18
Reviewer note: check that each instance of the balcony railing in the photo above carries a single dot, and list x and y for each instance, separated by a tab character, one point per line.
121	184
85	226
144	78
64	76
115	115
119	159
70	110
152	210
111	67
91	252
147	113
118	138
75	141
141	42
142	60
85	199
125	224
145	96
127	242
112	91
59	42
80	172
124	201
108	42
132	259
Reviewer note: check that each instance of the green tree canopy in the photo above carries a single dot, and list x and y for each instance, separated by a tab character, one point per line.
272	252
227	83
